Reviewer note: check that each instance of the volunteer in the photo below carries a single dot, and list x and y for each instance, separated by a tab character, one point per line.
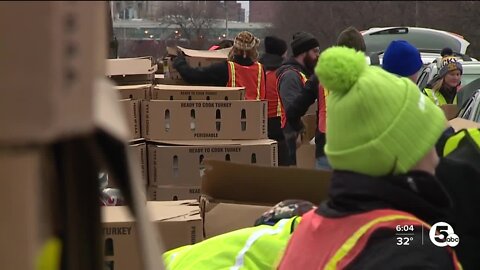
240	70
403	59
443	88
381	135
294	77
352	38
459	172
275	54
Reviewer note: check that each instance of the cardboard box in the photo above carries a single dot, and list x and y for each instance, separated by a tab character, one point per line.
195	58
160	79
306	156
460	123
179	224
63	68
181	163
173	193
310	122
24	207
182	92
235	195
128	71
132	113
450	110
204	120
142	91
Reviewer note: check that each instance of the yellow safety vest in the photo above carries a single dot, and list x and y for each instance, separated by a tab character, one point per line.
253	248
453	142
437	97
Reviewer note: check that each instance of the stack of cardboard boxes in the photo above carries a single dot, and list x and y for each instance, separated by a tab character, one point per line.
186	125
175	128
134	78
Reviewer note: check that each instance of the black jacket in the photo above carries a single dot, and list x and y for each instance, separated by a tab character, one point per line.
352	193
297	99
459	172
215	74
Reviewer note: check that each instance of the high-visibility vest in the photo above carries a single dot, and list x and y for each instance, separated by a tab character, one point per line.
251	77
259	247
333	243
437	97
452	143
273	96
321	103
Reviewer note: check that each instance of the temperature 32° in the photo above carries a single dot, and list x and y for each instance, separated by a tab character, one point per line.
404	241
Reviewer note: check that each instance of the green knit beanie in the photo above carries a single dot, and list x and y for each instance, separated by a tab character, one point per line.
377	123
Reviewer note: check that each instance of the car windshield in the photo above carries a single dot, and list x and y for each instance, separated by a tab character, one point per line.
468	78
379	41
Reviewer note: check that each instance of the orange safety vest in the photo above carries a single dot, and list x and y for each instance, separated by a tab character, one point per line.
251	77
322	106
275	108
333	243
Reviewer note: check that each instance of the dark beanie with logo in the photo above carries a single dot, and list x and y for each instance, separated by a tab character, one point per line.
303	42
274	45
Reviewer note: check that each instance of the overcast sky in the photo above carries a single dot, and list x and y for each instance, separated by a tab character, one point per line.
246	6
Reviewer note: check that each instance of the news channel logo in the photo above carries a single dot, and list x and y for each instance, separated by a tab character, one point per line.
441	234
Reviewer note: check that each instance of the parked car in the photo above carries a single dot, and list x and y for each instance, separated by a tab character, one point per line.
430	42
471	109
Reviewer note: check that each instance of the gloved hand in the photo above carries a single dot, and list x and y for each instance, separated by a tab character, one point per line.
179	60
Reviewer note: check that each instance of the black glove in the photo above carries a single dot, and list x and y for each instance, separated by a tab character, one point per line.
179	60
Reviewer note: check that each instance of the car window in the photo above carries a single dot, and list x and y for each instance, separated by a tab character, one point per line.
466	109
476	116
423	78
468	78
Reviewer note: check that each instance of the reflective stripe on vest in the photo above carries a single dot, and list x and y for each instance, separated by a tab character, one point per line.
272	95
240	258
453	141
350	244
232	74
437	97
334	243
258	247
246	81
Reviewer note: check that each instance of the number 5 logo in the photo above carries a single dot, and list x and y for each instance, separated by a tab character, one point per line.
442	235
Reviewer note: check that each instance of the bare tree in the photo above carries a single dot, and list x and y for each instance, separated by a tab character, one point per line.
194	20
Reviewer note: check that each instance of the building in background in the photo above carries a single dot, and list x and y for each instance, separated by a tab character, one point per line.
154	10
145	28
262	11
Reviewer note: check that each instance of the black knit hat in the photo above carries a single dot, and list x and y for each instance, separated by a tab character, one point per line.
303	42
274	45
446	52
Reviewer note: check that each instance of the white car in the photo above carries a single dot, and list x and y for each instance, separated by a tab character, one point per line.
428	41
